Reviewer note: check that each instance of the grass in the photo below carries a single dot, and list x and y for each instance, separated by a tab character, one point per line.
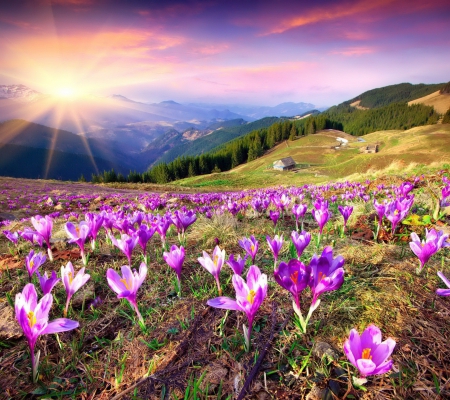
191	351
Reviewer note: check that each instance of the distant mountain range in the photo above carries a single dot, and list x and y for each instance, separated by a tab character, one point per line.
288	109
120	133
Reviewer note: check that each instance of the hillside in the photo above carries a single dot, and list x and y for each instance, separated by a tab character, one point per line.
412	150
440	101
400	93
37	163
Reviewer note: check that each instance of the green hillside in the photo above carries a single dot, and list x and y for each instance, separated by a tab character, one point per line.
400	93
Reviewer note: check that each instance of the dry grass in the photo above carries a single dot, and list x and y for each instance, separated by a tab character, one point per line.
440	102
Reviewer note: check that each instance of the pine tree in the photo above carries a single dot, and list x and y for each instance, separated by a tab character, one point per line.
251	152
293	134
257	146
446	119
191	170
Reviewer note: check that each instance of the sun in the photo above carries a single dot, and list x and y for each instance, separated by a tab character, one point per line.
66	92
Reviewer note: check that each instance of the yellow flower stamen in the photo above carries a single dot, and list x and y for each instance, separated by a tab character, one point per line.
251	296
70	277
252	247
216	260
366	354
126	284
31	318
31	264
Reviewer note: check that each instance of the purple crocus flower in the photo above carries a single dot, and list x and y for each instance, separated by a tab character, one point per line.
238	264
137	218
294	277
405	188
72	282
233	208
33	319
250	246
182	221
443	292
275	245
47	284
301	241
380	208
144	234
95	222
162	224
397	210
214	264
126	244
345	211
123	225
127	285
299	211
274	215
78	235
249	297
257	204
321	215
33	261
327	274
175	259
445	194
424	250
13	237
31	236
44	226
368	353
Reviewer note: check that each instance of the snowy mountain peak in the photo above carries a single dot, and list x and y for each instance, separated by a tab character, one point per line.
19	93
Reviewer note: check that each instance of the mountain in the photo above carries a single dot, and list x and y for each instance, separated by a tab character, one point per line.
288	109
19	93
215	139
28	135
38	163
172	143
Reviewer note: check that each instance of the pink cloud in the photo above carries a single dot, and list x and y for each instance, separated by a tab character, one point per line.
17	23
355	51
278	21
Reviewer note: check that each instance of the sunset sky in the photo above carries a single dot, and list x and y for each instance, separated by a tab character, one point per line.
235	51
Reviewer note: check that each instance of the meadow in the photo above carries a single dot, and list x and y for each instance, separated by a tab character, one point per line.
167	334
413	151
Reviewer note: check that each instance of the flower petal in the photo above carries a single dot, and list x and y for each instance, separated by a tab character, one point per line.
60	325
225	303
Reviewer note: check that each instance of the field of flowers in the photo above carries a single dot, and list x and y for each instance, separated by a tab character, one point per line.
318	291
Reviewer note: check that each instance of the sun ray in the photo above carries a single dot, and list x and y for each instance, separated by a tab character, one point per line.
78	121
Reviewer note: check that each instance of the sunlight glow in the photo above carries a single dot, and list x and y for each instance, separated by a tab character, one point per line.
66	92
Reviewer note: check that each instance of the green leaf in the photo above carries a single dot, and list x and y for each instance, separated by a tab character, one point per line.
417	220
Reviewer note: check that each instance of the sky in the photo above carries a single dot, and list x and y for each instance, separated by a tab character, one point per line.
235	51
